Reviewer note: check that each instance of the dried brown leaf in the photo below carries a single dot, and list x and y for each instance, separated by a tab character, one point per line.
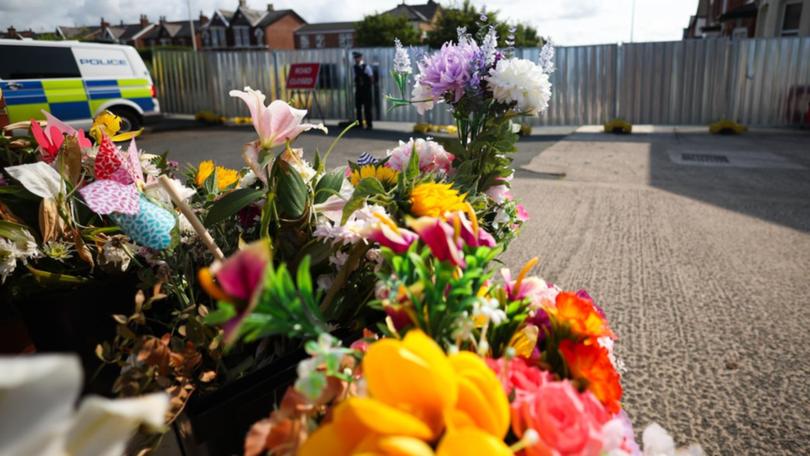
48	219
70	160
7	215
155	352
81	248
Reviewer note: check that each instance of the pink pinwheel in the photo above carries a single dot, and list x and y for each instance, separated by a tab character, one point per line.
440	238
238	281
51	138
388	234
113	189
277	123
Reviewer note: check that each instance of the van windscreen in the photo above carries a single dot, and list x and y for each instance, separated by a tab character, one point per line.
37	62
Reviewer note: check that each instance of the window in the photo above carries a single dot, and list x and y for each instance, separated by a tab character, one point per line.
303	41
739	33
165	41
320	41
346	40
37	62
241	36
259	33
217	36
791	19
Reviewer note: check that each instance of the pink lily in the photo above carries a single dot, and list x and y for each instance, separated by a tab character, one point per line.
469	231
440	238
239	281
276	123
388	234
535	289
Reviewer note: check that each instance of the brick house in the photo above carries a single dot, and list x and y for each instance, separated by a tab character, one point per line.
249	28
749	18
173	33
423	17
325	35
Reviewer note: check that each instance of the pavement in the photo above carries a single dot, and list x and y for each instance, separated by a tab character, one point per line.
697	246
703	267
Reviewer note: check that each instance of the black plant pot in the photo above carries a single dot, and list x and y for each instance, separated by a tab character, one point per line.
76	320
220	420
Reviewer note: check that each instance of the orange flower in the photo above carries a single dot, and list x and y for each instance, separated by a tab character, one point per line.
580	315
591	363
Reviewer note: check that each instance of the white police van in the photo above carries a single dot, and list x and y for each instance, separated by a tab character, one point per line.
74	81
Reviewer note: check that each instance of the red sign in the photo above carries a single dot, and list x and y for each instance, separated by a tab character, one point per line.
303	76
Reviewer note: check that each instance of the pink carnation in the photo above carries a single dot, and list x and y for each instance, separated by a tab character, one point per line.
432	156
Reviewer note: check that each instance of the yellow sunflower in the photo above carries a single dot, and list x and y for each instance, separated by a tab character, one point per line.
384	174
225	176
435	200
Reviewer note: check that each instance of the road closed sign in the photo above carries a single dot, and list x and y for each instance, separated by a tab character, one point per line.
303	76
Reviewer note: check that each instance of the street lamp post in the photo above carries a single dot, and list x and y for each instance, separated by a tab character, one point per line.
632	20
191	25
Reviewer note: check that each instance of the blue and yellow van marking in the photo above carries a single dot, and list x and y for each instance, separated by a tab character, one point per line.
71	99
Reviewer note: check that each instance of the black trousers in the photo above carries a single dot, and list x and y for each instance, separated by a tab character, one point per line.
362	106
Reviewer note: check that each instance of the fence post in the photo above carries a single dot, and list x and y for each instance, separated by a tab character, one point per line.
618	75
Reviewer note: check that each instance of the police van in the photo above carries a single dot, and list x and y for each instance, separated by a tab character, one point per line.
74	81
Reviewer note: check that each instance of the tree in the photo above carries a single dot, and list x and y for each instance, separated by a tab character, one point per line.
469	17
381	29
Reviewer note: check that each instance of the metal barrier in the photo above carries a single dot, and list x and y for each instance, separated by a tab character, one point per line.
764	82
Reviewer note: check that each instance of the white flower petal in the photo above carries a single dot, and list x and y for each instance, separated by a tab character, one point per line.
38	178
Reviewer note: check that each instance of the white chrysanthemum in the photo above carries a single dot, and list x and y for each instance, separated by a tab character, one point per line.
8	259
520	81
115	254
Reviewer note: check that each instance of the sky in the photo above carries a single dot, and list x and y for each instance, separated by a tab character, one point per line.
567	22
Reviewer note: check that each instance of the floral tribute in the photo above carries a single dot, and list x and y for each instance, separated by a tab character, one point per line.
384	270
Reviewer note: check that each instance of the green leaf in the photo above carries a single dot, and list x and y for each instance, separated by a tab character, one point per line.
230	204
291	190
13	231
412	171
225	311
329	184
366	187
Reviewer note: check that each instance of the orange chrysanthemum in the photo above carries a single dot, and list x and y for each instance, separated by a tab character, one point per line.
580	315
591	364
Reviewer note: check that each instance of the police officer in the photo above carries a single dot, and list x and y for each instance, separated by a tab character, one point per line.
363	84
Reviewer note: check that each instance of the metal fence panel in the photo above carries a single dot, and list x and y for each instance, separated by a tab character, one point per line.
764	82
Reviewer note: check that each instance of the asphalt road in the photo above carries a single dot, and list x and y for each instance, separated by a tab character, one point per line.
697	246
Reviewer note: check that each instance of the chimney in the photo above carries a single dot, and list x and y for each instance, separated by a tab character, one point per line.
242	3
122	23
269	7
12	32
162	20
144	21
104	24
203	18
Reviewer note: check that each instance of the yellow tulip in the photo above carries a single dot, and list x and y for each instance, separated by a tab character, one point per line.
471	441
413	375
480	396
417	394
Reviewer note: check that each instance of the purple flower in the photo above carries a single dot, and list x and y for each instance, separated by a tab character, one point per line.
448	70
543	323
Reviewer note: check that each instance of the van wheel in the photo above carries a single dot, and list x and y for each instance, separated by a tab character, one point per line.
130	120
